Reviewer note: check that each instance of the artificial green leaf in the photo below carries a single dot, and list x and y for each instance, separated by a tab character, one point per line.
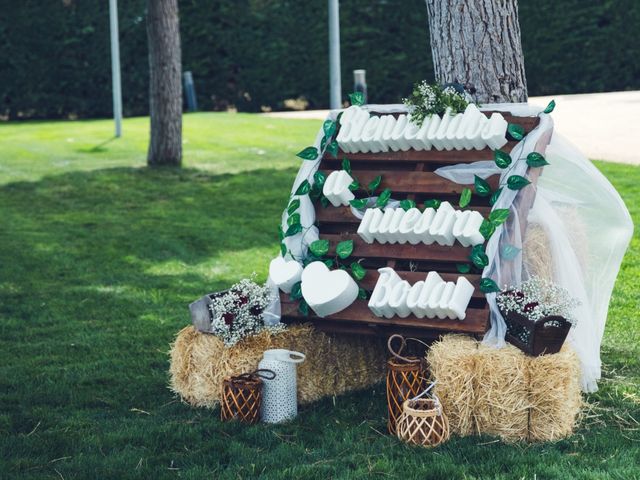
319	178
283	249
280	233
329	128
433	203
332	148
375	183
509	252
534	159
304	188
344	249
315	192
478	257
319	247
323	143
362	294
293	219
346	165
383	198
502	159
324	201
463	267
465	197
356	98
293	230
355	185
487	229
488	286
516	131
516	182
329	262
407	204
359	203
339	118
309	153
293	206
550	107
499	216
303	307
296	291
358	271
494	196
481	186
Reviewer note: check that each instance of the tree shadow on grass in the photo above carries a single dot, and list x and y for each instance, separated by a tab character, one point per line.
97	269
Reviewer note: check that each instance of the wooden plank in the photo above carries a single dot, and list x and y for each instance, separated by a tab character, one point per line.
416	182
476	320
343	214
456	253
445	157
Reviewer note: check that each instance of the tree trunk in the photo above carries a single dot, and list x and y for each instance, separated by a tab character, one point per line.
477	44
165	87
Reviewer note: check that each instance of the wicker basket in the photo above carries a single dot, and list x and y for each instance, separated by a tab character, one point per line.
546	336
242	395
422	422
406	378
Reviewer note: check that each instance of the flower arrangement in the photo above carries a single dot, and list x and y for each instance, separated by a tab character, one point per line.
237	313
537	299
429	99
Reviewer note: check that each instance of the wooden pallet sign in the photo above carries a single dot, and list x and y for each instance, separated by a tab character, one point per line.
409	175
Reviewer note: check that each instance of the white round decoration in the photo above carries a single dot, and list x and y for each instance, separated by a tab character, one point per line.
279	396
325	291
285	274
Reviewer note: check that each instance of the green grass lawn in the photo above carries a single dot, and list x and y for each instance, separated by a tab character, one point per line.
99	258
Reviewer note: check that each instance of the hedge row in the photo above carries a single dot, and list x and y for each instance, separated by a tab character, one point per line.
252	54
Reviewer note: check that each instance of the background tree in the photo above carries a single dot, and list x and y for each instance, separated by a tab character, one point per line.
478	45
165	87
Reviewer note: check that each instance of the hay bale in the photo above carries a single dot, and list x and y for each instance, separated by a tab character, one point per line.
536	252
452	363
554	394
334	365
500	387
504	392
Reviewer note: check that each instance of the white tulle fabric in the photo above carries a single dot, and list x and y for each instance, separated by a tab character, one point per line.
586	222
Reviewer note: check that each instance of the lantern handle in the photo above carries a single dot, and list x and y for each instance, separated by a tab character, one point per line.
403	343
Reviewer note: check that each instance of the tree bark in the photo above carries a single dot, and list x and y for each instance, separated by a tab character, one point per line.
477	44
165	87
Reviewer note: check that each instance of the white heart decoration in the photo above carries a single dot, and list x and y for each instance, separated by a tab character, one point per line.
285	274
327	292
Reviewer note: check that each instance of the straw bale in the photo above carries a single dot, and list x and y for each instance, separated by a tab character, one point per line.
334	365
536	253
554	393
452	362
504	392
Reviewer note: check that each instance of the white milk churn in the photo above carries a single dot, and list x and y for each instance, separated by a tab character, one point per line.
279	396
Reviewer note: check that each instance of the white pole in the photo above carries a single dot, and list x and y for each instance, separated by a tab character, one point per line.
335	98
115	66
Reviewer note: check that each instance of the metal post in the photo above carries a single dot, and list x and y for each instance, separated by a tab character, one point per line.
190	91
115	66
335	98
360	82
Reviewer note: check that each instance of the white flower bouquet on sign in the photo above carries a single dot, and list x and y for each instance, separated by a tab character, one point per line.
237	312
538	315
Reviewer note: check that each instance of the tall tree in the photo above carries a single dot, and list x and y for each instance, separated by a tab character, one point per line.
477	43
165	88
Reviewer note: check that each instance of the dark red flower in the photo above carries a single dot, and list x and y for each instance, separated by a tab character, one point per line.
530	306
228	318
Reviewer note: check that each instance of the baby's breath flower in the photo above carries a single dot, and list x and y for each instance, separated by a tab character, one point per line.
238	312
